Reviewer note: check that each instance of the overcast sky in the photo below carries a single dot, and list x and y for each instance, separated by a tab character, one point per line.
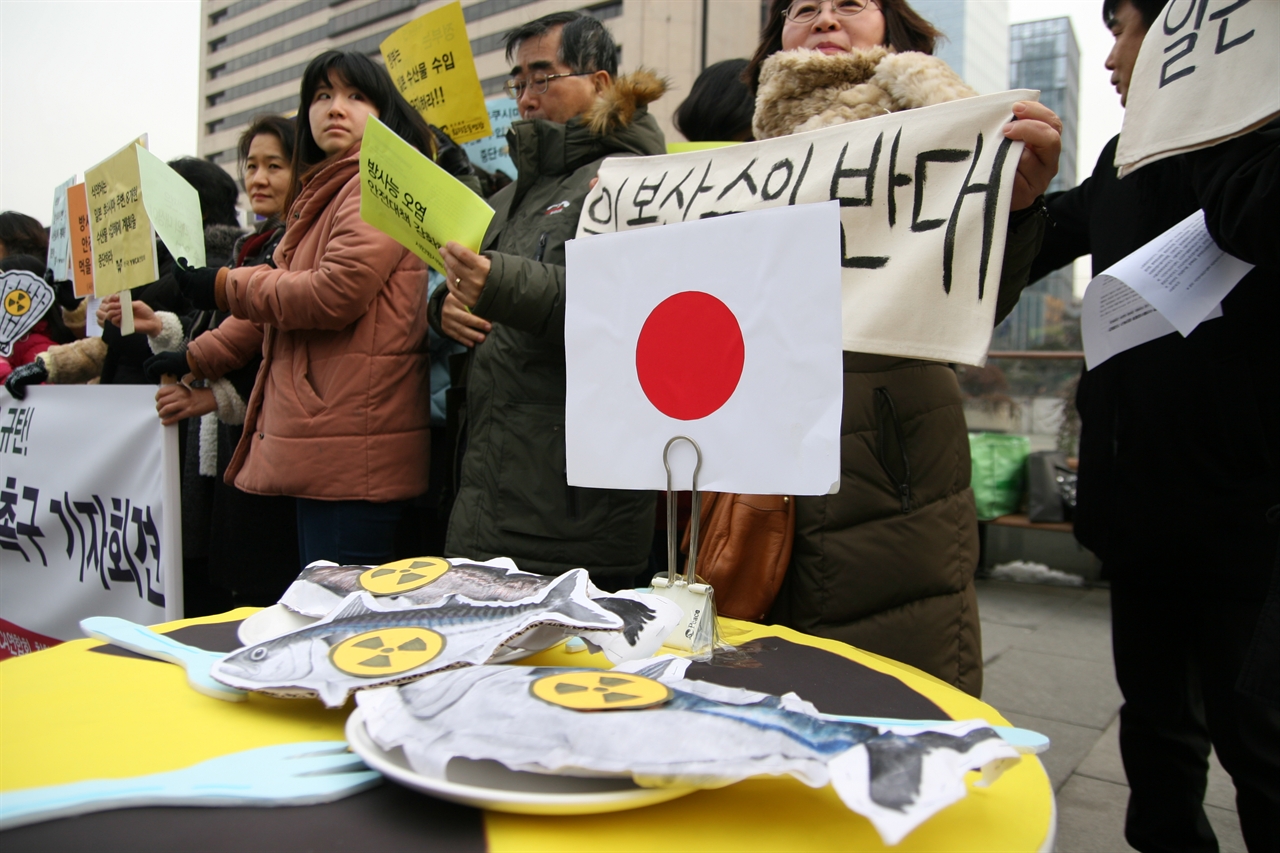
80	78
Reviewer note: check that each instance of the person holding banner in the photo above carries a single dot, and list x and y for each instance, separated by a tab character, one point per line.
1180	472
340	412
507	303
887	563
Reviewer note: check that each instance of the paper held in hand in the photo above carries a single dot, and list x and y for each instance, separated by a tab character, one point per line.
429	59
415	202
174	208
1201	79
124	251
1174	283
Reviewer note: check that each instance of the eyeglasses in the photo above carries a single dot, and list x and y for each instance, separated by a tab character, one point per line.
539	83
804	11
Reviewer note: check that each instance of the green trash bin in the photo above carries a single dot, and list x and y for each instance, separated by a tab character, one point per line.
999	472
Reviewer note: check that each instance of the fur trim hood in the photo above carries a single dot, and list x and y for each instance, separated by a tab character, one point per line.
616	107
804	90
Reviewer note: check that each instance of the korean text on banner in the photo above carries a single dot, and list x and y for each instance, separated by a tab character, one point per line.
124	248
725	330
97	529
492	153
924	201
430	61
58	260
1190	57
81	227
412	200
174	208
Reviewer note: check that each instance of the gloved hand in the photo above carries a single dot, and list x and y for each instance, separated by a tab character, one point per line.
198	285
33	373
171	363
64	293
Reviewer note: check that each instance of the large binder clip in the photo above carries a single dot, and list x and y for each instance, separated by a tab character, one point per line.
697	630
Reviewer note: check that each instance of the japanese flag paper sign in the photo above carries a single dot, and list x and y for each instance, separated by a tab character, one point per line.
725	330
412	200
81	229
924	201
124	253
430	61
1222	57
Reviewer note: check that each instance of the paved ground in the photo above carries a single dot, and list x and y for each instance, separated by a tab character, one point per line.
1048	668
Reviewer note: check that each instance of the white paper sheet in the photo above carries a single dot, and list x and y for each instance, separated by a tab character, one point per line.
1173	283
778	272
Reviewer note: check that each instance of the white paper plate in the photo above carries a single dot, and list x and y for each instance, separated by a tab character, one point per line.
490	785
271	622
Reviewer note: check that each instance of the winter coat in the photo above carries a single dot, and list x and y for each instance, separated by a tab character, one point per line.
887	563
513	498
341	406
27	348
1180	437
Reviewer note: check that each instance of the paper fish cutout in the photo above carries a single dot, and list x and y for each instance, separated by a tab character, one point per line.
365	643
571	722
24	299
427	581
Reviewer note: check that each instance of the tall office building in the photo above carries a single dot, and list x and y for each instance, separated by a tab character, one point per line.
976	42
1044	55
253	52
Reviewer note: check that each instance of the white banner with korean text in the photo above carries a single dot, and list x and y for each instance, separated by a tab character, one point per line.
89	512
924	204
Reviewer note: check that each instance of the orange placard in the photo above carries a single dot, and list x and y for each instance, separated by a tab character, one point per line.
81	239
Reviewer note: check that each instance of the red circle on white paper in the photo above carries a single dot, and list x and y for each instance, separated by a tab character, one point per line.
689	355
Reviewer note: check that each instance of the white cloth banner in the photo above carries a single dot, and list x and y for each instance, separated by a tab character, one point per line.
727	333
89	513
1208	71
924	202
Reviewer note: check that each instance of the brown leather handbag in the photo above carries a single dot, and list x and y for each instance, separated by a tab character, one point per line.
743	550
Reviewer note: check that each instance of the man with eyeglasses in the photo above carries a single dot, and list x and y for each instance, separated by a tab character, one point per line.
507	304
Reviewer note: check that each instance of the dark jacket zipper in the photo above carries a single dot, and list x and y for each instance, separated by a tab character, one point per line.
542	246
886	416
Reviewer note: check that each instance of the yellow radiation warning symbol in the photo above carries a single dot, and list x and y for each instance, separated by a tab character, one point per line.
600	691
403	575
387	652
17	303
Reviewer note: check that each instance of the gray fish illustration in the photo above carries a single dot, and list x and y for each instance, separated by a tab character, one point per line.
469	632
477	582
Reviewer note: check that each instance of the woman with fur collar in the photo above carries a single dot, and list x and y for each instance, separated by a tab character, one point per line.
887	563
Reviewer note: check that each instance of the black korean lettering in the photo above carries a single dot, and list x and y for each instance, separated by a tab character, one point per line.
55	507
1223	45
991	191
640	204
676	192
1165	77
896	179
868	175
90	555
804	170
117	547
744	177
859	262
9	518
923	159
703	187
766	191
29	529
592	211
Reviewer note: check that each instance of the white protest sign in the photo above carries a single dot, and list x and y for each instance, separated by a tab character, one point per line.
174	208
1208	71
58	259
924	201
728	333
492	153
91	511
1173	283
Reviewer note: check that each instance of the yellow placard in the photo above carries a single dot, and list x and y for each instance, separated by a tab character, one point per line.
430	61
412	200
124	249
681	147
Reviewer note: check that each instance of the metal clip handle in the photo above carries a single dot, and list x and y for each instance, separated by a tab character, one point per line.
690	569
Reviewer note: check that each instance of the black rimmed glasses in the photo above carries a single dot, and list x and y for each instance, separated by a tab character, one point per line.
804	11
538	82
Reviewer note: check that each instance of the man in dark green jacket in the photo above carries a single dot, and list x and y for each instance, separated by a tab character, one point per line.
507	303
